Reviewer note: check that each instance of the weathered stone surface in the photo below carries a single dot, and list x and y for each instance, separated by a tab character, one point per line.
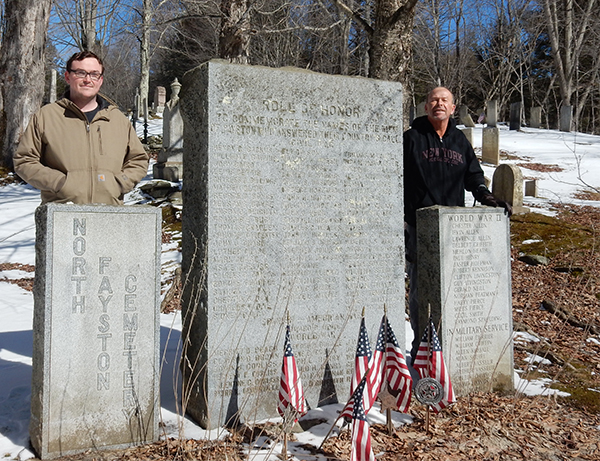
293	203
491	115
516	111
95	328
490	145
566	118
536	117
464	269
507	185
468	132
465	117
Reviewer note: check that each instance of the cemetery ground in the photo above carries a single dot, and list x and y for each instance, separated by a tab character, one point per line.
555	415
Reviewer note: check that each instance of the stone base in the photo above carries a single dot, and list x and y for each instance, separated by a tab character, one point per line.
521	210
166	172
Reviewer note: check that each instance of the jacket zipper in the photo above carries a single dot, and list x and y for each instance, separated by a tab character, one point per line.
91	189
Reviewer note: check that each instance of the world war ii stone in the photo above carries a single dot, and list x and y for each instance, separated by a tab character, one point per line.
293	204
96	341
464	269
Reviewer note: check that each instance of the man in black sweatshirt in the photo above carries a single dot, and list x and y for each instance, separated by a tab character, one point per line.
439	164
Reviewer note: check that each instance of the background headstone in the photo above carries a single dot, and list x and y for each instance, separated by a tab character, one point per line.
421	109
464	267
468	132
507	185
490	146
566	118
491	117
536	117
465	117
95	369
293	203
531	188
515	115
169	164
160	98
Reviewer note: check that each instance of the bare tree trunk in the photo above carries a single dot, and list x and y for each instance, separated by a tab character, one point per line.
22	70
87	12
567	33
391	42
145	53
234	40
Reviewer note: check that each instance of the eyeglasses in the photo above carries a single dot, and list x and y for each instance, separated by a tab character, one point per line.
80	73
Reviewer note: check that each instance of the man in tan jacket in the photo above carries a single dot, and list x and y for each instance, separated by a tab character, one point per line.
81	149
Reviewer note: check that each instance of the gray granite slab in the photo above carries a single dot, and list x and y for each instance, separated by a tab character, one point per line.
95	328
464	275
293	203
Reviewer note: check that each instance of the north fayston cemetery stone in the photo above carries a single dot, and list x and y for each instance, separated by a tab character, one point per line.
293	202
464	275
96	328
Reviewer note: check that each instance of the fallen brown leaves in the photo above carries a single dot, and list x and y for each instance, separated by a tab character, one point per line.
484	427
546	297
541	167
487	427
26	282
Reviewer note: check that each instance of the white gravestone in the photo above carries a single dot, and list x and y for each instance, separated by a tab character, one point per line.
464	275
95	328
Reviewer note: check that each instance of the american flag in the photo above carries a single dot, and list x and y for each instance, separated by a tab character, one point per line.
376	368
397	374
291	393
361	438
429	362
361	365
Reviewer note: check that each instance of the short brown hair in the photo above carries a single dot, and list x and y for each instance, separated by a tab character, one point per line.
80	56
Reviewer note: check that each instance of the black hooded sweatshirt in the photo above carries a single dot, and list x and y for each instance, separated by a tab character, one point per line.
437	171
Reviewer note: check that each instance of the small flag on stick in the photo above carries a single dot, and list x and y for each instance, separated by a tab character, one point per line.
291	394
361	437
429	362
397	374
361	365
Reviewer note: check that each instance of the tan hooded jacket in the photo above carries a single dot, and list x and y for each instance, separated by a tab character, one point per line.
71	160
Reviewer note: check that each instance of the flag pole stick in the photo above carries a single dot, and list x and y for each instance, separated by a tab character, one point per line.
284	451
340	415
330	429
428	362
388	411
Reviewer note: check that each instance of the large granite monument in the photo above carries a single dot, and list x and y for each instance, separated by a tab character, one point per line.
464	269
95	328
293	203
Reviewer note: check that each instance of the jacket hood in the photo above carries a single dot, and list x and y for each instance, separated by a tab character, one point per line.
422	124
103	103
